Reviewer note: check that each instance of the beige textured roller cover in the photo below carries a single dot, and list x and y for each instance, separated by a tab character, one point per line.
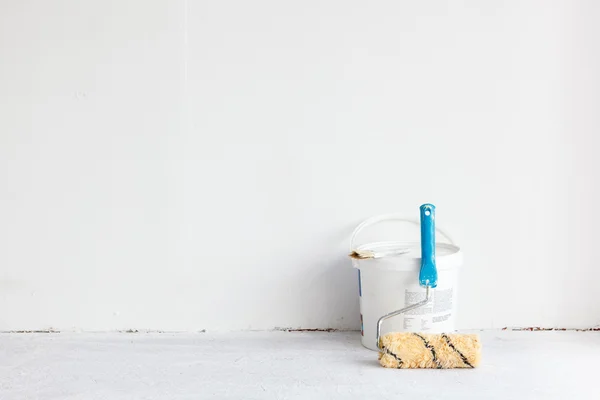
407	350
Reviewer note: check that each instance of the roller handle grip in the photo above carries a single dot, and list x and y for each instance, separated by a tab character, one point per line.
428	275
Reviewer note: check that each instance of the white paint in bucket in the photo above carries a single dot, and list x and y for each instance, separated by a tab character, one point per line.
392	282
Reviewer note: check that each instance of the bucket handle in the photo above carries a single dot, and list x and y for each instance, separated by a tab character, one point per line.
389	217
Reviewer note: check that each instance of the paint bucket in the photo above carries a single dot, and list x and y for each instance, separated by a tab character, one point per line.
390	281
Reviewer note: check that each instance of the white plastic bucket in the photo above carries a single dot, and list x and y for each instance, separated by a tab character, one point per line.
392	282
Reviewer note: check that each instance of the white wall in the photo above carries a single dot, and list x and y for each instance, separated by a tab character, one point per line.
187	165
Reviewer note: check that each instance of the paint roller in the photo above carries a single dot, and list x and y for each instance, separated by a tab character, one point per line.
407	350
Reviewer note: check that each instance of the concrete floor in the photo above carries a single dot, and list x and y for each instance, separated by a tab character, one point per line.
282	365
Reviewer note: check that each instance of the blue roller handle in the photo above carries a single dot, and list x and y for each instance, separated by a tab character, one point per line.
428	274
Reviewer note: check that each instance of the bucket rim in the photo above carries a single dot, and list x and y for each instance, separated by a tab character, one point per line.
406	262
